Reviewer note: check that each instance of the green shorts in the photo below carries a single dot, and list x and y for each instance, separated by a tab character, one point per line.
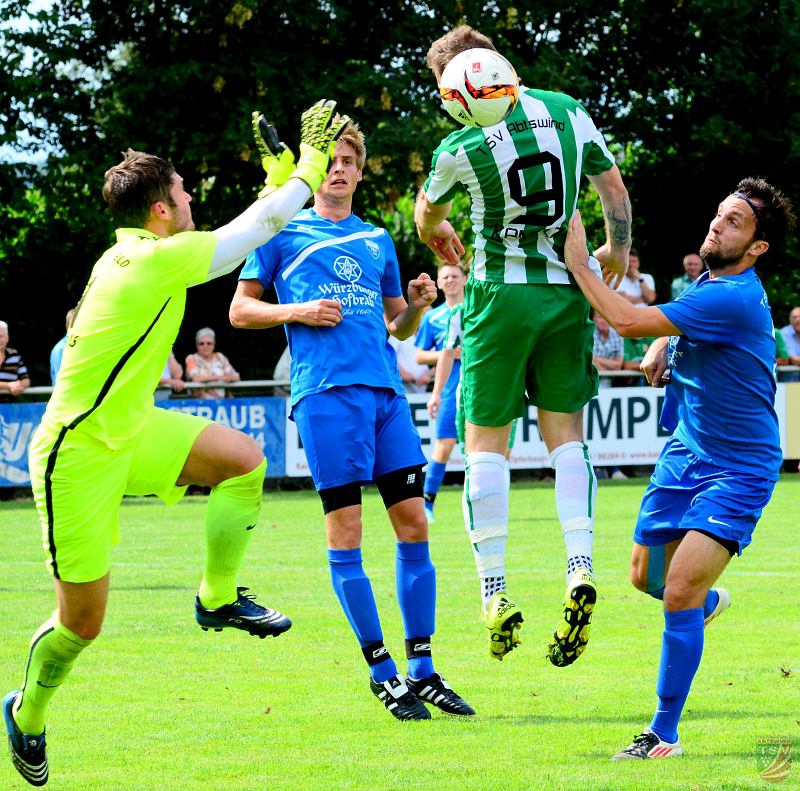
525	344
461	428
78	483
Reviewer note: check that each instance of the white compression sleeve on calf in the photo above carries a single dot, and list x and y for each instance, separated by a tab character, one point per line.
485	506
256	225
576	489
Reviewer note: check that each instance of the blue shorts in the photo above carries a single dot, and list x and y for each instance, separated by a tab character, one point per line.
687	493
446	419
356	434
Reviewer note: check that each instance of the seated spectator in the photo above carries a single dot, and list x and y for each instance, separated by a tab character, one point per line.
791	333
58	351
692	269
637	287
13	373
787	347
416	376
607	352
171	379
208	365
634	350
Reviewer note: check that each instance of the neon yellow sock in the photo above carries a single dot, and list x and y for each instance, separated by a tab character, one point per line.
233	509
54	649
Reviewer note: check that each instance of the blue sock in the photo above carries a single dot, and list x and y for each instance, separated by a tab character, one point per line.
355	594
681	650
712	600
416	594
434	475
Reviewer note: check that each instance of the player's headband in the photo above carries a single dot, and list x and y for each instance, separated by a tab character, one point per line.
753	207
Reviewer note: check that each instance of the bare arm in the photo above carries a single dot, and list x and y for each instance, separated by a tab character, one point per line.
627	320
613	255
428	356
443	370
249	312
434	230
402	318
607	363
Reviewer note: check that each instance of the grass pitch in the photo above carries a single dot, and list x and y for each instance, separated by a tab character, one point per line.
157	703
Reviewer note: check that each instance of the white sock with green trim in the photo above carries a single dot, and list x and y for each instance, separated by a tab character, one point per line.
576	489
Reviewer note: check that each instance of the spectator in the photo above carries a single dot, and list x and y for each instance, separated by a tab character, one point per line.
637	287
171	377
692	269
791	333
607	351
787	347
207	365
58	350
416	376
13	373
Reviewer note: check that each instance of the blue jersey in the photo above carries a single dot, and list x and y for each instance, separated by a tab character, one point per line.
721	400
352	262
431	335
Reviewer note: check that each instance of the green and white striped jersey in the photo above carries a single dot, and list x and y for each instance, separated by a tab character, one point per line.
454	335
522	176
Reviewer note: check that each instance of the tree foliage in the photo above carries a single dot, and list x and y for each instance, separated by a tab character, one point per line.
693	95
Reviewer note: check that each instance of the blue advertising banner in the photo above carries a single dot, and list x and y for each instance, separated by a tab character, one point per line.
264	419
17	423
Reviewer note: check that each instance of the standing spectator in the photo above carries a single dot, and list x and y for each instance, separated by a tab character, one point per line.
692	269
13	373
607	352
637	287
171	377
58	350
415	376
207	365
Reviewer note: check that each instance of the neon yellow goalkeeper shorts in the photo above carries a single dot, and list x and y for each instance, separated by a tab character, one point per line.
78	483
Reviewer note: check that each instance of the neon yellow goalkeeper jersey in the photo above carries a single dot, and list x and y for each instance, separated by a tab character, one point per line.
123	330
522	176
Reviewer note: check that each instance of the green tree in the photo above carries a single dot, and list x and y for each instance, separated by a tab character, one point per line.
693	95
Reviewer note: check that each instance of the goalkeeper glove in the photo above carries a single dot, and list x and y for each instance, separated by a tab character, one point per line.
319	131
276	157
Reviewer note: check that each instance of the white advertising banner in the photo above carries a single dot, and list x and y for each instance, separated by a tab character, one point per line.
621	427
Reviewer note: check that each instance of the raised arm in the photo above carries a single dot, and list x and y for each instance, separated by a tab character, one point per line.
613	255
269	214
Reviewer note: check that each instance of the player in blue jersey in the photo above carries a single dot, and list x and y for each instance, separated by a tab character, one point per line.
430	341
338	286
716	473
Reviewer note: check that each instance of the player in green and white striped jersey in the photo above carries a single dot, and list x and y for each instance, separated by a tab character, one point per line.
527	331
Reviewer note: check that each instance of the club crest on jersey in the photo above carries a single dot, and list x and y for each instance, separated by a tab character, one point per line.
347	268
374	249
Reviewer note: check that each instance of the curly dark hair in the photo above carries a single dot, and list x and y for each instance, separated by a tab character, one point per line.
775	217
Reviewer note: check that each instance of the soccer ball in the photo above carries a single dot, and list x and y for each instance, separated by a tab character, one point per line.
479	87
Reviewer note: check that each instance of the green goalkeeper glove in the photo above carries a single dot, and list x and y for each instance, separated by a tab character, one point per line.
319	131
276	157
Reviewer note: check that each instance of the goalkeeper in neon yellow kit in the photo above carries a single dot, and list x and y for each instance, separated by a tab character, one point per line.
101	436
